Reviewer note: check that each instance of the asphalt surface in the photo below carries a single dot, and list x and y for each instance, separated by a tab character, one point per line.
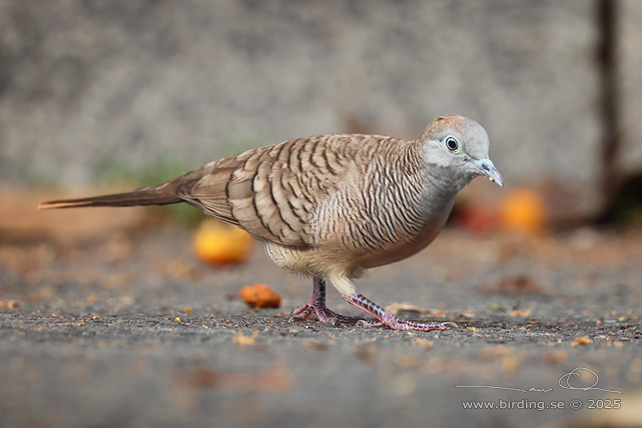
133	331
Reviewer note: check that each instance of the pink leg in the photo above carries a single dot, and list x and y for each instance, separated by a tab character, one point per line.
388	319
316	305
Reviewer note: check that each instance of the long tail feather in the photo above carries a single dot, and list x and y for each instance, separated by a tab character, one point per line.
158	195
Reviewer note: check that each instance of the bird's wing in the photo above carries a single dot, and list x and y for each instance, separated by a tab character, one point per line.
272	192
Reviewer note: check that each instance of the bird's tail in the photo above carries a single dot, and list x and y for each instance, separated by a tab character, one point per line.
162	194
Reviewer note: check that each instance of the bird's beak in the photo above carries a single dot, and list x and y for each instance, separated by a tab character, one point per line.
487	168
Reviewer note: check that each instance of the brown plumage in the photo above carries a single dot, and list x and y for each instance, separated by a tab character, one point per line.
331	206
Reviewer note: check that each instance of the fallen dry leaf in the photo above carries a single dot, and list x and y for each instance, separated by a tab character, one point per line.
513	287
278	378
582	341
520	313
8	304
396	308
367	353
244	340
510	363
315	346
180	268
407	361
555	358
424	342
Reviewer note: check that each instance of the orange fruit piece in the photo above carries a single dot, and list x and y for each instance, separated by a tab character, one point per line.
220	244
523	210
260	296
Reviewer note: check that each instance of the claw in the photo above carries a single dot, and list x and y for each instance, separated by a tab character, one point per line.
300	315
316	305
449	324
324	315
369	324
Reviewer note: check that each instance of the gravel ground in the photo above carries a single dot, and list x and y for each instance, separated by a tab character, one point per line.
133	331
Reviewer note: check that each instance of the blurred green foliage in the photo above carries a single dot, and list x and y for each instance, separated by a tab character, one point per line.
625	209
156	171
165	167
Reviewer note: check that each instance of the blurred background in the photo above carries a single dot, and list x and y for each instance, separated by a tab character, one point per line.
139	91
115	317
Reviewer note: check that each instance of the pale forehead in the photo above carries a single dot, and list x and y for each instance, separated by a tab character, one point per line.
470	133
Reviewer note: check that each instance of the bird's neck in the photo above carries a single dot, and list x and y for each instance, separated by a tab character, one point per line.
436	202
440	187
428	186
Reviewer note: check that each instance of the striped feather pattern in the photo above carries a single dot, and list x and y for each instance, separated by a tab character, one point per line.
362	190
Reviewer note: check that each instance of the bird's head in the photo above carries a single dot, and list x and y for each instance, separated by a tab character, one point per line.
459	145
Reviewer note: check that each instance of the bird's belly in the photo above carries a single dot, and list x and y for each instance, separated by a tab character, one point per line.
402	250
331	258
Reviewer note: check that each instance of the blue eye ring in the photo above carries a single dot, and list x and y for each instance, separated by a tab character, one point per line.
451	143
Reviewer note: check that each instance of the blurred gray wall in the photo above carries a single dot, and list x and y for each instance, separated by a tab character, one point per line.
86	85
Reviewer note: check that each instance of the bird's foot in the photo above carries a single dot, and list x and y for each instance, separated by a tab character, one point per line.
316	305
325	315
386	318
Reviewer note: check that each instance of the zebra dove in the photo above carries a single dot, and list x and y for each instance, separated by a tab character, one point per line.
333	206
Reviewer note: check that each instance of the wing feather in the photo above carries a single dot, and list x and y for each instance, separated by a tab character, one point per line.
273	192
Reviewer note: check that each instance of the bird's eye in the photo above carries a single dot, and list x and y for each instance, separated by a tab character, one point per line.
452	143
